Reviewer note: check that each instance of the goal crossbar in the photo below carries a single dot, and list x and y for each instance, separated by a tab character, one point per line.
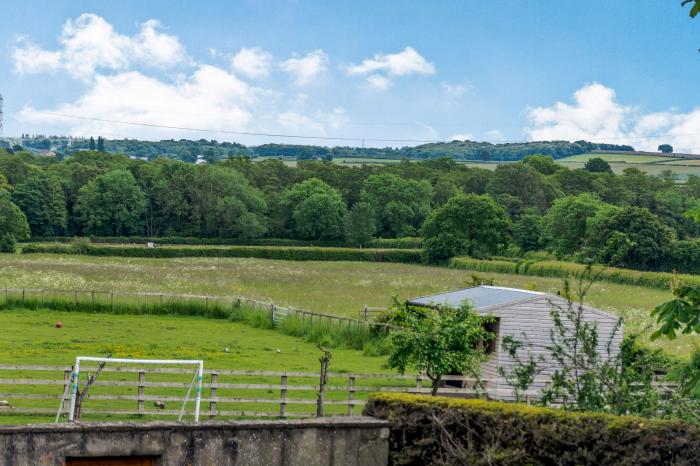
190	362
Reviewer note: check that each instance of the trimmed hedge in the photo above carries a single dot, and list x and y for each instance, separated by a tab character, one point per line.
377	243
261	252
563	269
435	430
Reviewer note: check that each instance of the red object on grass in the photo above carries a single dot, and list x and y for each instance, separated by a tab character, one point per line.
59	324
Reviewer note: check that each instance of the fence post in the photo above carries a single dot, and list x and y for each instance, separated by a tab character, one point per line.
272	312
365	312
419	382
66	388
214	389
351	395
283	395
111	300
142	389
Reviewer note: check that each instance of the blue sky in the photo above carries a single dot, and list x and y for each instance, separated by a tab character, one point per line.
622	71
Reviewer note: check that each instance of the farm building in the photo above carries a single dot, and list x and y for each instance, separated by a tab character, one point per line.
524	315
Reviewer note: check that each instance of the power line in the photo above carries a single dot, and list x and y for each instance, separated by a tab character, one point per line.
239	133
359	139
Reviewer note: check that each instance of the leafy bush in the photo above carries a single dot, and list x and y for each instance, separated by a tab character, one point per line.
434	430
8	243
262	252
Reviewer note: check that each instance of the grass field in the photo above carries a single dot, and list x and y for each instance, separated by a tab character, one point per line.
650	164
340	288
30	337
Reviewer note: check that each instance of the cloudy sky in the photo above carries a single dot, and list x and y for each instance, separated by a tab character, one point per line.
389	73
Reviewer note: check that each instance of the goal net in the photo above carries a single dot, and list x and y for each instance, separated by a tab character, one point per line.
119	386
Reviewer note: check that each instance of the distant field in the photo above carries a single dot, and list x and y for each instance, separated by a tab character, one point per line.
340	288
617	158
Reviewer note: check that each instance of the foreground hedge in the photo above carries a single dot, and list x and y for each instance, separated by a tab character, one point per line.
261	252
563	269
379	243
435	430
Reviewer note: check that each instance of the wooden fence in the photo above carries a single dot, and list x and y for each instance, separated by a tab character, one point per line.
134	391
113	299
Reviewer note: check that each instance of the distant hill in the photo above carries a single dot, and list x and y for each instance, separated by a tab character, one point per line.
188	150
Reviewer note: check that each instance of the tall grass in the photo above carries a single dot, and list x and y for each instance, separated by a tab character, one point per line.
332	333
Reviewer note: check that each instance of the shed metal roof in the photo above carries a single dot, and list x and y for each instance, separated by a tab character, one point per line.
481	297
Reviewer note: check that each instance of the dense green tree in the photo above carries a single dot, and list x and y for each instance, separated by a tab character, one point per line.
666	148
320	216
597	165
42	200
12	221
525	183
544	164
361	224
527	232
401	205
224	204
444	190
100	144
92	143
111	205
469	224
565	225
630	237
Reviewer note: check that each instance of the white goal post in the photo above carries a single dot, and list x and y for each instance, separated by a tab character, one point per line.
190	362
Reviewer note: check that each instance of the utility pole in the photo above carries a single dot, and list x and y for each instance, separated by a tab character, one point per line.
1	127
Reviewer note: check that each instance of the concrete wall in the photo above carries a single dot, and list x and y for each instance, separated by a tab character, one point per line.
325	441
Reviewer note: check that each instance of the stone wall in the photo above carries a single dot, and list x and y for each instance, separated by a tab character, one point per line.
325	441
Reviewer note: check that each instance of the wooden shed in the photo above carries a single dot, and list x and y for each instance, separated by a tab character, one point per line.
524	315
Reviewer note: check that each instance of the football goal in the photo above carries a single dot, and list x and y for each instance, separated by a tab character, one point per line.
94	366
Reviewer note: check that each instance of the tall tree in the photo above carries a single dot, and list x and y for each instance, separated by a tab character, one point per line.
313	210
92	143
362	224
13	223
401	205
565	225
111	205
468	224
42	200
100	144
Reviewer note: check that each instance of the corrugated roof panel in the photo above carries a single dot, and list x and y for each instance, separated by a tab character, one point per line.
480	297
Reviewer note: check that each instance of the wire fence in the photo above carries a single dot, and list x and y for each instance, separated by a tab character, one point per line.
163	302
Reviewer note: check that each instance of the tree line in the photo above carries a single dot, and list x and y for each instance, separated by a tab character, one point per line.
211	150
633	220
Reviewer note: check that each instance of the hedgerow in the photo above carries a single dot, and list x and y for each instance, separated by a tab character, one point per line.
435	430
377	243
261	252
559	269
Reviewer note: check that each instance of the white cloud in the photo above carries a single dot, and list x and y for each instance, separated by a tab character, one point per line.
461	137
90	43
210	98
252	62
396	64
596	116
455	91
383	66
305	69
378	81
30	58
